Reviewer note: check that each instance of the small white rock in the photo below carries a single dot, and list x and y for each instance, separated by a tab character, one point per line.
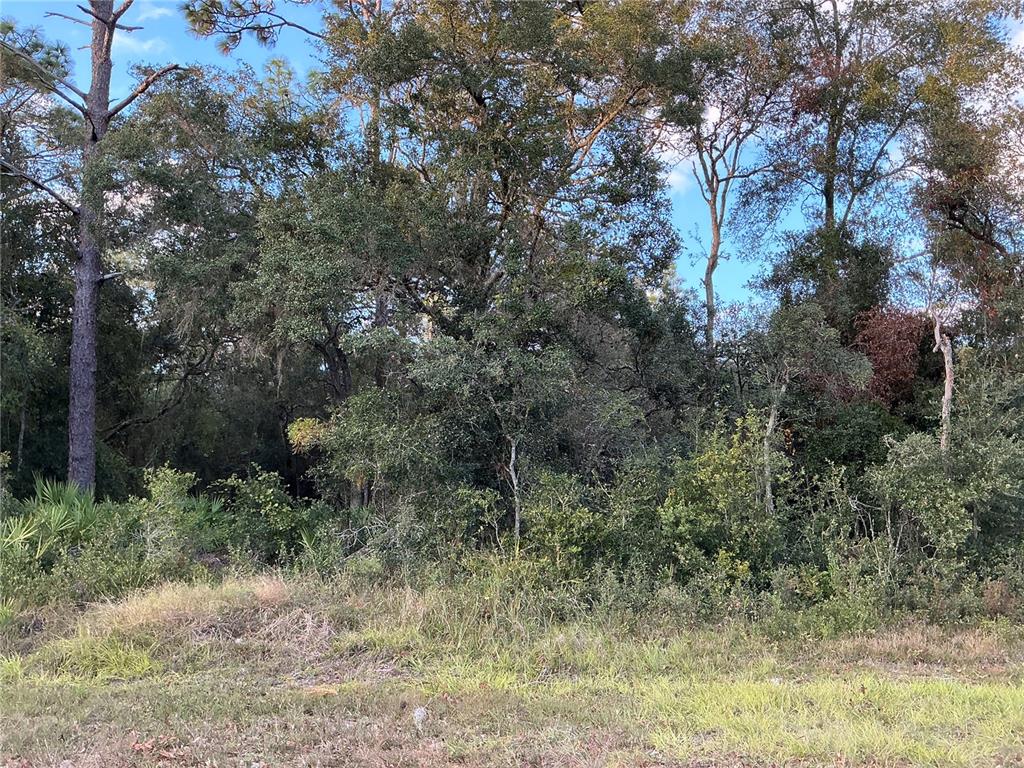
419	717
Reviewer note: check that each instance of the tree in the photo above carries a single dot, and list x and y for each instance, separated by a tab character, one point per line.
970	193
516	119
860	88
518	390
890	338
98	112
798	345
741	87
971	198
852	96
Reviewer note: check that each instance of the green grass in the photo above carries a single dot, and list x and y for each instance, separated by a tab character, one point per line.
290	672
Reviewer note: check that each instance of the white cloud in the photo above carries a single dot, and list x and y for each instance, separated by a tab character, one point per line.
678	160
128	43
152	10
672	150
680	172
679	180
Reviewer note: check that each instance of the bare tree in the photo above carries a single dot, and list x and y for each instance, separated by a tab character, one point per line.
942	305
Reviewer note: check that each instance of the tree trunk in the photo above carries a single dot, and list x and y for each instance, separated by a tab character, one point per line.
944	345
830	201
709	280
21	438
88	266
513	475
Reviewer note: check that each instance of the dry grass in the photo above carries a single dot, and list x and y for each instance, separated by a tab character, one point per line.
269	671
177	607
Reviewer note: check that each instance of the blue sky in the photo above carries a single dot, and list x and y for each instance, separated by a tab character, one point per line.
165	38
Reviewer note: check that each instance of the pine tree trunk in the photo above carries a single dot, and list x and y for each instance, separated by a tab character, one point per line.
88	266
82	384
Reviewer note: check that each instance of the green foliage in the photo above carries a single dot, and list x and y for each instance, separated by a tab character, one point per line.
261	517
372	438
844	277
58	517
175	526
420	310
915	486
62	545
715	508
637	542
851	434
562	532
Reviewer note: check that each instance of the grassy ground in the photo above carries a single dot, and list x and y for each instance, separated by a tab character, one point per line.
272	672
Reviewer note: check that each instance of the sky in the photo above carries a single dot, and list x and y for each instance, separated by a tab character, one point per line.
165	38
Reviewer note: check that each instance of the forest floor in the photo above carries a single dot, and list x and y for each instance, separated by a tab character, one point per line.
266	671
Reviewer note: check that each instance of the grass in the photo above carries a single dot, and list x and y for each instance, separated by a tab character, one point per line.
272	671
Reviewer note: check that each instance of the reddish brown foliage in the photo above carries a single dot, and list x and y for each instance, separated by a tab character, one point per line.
890	338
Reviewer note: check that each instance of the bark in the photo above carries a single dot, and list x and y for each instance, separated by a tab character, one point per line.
829	190
381	318
21	437
709	279
339	372
358	494
513	475
831	168
88	267
944	345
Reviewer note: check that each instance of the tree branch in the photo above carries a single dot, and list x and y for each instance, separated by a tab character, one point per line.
122	10
49	78
144	86
85	23
16	171
285	22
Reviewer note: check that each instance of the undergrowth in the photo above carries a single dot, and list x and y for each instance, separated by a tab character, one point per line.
215	668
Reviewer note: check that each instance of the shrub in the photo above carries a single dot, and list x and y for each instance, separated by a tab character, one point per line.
715	511
262	518
562	531
62	545
637	545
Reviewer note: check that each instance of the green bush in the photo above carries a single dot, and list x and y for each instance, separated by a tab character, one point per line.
637	545
63	545
562	531
262	518
716	513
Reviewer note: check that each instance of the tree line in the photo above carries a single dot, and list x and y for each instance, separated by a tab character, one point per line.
432	287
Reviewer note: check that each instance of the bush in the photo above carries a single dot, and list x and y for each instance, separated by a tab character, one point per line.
562	532
262	519
715	511
62	545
